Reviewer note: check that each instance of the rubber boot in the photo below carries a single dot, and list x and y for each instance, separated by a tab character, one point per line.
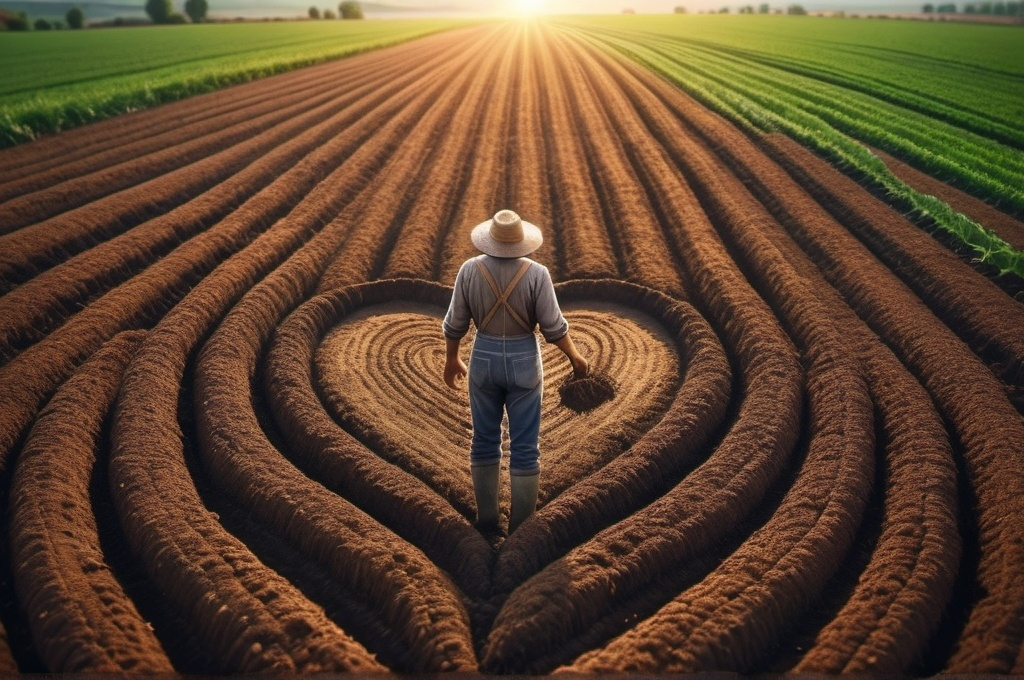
524	498
485	486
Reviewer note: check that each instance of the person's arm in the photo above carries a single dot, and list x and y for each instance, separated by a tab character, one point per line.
454	367
455	326
580	366
554	327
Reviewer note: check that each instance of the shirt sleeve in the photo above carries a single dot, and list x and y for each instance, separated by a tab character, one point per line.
456	321
553	325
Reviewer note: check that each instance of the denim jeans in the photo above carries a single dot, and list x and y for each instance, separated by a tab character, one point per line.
506	374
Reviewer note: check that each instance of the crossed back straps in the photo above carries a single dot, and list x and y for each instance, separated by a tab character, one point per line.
502	297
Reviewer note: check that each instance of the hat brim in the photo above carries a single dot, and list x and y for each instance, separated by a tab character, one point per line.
532	239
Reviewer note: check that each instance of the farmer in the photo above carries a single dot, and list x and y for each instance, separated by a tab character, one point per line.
507	295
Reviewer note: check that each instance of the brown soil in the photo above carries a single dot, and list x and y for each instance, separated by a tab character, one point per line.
806	461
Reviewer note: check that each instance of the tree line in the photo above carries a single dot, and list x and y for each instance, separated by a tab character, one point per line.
160	12
1013	8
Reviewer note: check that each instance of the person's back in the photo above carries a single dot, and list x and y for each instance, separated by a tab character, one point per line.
507	296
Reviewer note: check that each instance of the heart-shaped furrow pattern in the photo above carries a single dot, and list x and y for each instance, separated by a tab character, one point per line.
665	445
380	371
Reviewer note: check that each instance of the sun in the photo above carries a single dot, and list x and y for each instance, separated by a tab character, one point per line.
529	7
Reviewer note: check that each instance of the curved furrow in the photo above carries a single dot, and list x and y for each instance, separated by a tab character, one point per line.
717	494
839	408
922	492
369	364
43	245
146	421
663	453
240	457
736	614
413	254
81	618
586	249
360	553
36	372
984	316
989	429
878	630
733	617
250	616
637	237
190	119
338	460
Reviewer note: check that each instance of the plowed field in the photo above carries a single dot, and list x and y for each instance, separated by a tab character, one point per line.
225	444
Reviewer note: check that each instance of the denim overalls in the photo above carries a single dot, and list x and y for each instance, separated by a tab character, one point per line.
505	373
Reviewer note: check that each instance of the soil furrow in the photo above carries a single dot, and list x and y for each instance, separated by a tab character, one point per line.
145	298
490	172
224	380
978	311
96	138
36	307
918	453
586	249
717	494
422	228
82	620
42	245
637	236
173	128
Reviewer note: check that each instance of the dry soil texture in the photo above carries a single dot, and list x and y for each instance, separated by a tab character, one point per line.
225	444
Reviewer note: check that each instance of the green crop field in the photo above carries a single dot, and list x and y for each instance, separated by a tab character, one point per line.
947	98
57	79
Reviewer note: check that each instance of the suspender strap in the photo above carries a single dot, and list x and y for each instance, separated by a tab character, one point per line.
502	297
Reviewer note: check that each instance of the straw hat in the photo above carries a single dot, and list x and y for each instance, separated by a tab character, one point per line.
506	235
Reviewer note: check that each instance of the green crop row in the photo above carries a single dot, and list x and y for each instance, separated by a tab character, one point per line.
837	121
60	79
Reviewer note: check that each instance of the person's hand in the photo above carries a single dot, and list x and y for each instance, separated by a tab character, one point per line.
454	370
580	367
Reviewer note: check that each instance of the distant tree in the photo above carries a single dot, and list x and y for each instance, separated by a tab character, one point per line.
724	10
159	10
680	9
747	9
985	8
928	8
42	24
329	14
948	8
196	10
314	13
763	8
970	9
999	8
176	18
797	10
1015	8
350	10
75	18
17	21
